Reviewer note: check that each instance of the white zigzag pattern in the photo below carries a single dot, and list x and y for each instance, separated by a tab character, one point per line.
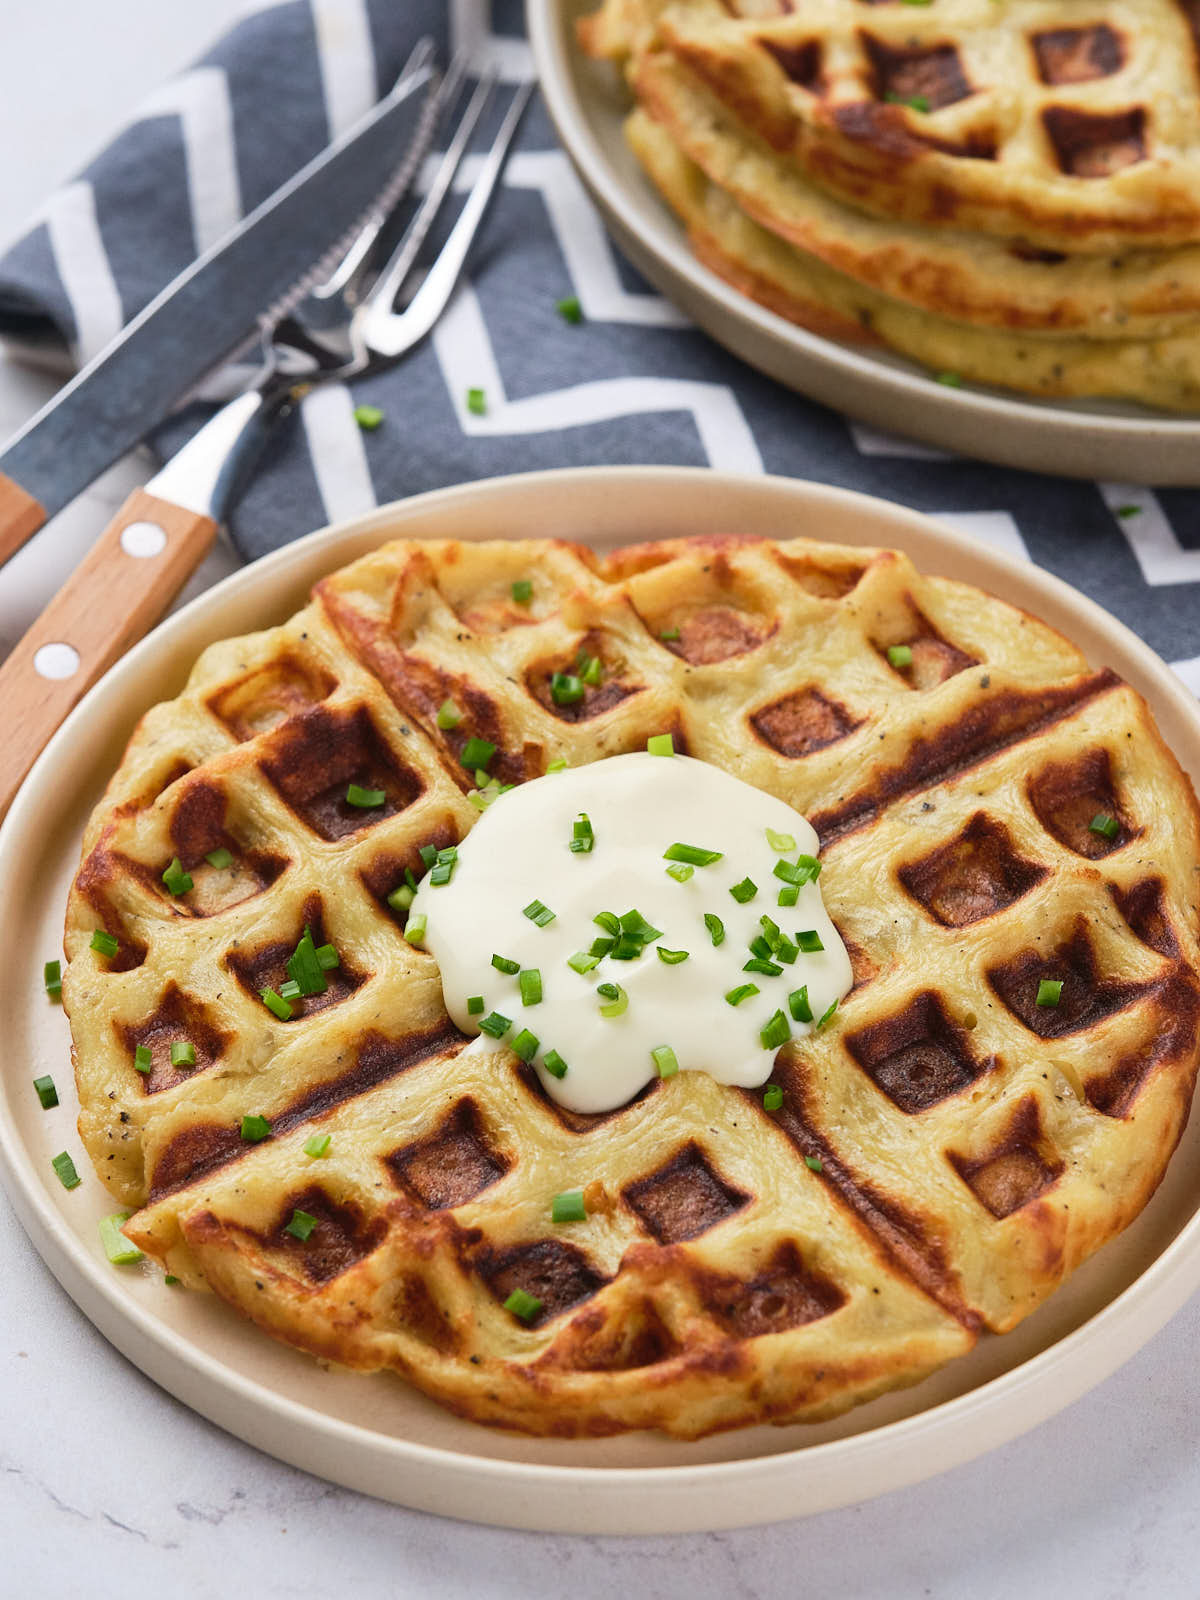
201	101
1150	536
467	359
470	33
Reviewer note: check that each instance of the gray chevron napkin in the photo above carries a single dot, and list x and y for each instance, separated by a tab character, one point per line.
632	381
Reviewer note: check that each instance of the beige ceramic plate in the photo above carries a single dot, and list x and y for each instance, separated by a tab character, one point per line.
374	1433
1097	440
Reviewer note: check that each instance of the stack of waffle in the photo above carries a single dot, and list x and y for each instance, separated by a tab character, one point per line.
1005	193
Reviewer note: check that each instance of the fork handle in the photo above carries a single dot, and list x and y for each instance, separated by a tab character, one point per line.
20	516
120	590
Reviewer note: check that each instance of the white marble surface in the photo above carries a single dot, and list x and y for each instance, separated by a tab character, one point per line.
108	1484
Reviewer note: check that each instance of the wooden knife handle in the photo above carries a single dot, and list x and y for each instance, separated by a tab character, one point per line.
125	583
20	515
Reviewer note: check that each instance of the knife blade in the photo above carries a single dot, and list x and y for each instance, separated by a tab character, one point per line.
201	317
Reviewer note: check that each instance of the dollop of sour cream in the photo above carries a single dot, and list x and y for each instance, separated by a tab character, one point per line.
638	807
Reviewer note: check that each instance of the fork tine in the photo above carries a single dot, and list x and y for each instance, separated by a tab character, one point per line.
388	334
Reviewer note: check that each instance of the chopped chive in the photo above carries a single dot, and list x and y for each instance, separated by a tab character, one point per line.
1049	991
477	402
554	1064
303	967
900	655
786	952
523	1305
788	895
364	799
105	943
592	672
566	689
255	1129
143	1058
443	872
761	948
317	1145
495	1025
809	941
773	1094
65	1169
276	1004
693	853
582	837
559	764
571	311
665	1061
600	947
568	1207
530	983
475	1005
608	920
368	417
660	744
635	925
46	1092
448	716
680	871
52	978
522	591
744	891
769	969
291	990
170	1280
669	634
414	930
781	843
716	929
952	380
327	958
814	1163
583	961
671	958
176	879
119	1250
1129	511
775	1033
538	913
826	1015
618	1000
742	992
915	102
525	1045
1105	825
428	854
400	899
477	753
799	872
220	858
183	1053
301	1225
799	1005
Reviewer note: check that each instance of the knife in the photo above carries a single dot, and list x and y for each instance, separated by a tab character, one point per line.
202	317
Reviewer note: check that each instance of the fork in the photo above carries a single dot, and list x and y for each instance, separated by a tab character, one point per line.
162	533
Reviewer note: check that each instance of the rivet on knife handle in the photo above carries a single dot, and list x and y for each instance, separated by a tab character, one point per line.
20	515
128	579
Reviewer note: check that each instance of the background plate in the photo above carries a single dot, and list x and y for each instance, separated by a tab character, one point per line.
1097	439
374	1433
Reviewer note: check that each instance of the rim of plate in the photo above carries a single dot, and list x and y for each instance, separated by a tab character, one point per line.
549	24
600	1499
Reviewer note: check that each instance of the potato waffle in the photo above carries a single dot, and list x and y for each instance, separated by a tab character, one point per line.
943	1158
1071	129
832	202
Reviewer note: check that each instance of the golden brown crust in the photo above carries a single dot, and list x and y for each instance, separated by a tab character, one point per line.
1069	132
1162	372
967	1149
